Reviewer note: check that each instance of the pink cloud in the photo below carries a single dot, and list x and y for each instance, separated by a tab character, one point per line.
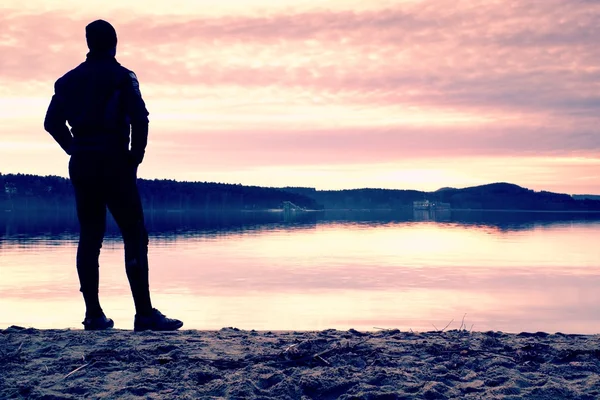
364	146
531	56
530	68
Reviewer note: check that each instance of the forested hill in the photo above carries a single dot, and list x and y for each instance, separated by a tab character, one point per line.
506	196
20	192
495	196
586	197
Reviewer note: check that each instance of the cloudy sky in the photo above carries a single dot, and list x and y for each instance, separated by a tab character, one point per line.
328	93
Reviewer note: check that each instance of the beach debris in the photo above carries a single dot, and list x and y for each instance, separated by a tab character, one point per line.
307	351
446	327
463	327
164	359
11	356
387	331
77	369
357	333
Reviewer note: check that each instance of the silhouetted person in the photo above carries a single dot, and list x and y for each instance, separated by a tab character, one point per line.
102	103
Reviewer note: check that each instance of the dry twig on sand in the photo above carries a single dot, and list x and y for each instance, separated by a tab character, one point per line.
77	369
446	327
338	348
324	361
10	356
462	323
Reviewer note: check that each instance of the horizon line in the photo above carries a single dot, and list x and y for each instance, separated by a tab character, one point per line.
314	188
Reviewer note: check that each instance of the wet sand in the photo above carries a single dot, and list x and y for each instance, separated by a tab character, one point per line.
236	364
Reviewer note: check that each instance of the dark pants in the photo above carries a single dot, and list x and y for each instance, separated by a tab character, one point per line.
104	181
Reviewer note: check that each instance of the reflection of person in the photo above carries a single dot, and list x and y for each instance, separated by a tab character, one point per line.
101	101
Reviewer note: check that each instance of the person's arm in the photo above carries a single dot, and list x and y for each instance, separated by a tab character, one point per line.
138	115
55	122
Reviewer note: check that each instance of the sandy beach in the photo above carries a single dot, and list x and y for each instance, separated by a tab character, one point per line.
236	364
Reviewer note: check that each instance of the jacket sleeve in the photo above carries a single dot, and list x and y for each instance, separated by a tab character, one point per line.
55	122
138	115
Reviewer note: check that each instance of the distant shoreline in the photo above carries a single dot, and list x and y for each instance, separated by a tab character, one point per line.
281	210
28	192
532	211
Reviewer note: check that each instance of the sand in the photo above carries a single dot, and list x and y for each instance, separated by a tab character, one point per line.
237	364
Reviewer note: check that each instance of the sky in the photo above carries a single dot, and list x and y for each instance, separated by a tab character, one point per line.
335	94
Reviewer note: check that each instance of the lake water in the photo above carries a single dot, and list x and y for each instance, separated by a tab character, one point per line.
365	270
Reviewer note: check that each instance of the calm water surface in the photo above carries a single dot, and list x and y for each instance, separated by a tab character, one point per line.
510	272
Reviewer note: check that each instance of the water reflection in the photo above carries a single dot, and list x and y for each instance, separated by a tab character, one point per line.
507	271
23	226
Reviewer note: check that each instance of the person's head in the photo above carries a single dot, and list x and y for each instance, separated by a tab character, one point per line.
101	36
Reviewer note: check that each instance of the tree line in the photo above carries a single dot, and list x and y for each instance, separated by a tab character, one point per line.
23	191
27	192
495	196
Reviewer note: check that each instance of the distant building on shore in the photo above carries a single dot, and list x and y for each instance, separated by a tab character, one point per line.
426	205
288	207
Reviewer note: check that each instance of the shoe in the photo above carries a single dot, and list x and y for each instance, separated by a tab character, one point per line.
155	322
97	323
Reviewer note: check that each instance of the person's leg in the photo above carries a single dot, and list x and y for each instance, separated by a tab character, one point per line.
124	204
91	212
